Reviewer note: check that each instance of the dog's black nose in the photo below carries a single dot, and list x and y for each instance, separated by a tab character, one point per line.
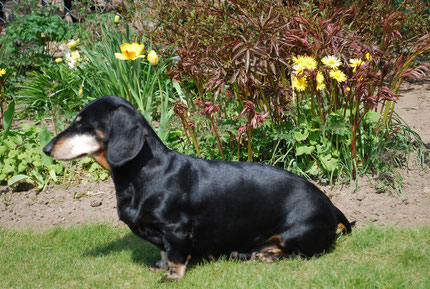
48	149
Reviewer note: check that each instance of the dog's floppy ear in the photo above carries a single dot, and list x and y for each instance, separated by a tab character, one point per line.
126	136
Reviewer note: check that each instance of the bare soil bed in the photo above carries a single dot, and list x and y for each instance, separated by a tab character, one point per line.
71	204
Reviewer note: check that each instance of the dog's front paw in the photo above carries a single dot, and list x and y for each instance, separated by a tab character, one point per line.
172	276
176	271
159	265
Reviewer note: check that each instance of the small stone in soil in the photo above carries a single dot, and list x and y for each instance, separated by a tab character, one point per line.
96	203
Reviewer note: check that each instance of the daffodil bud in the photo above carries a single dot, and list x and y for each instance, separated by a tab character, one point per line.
59	60
153	57
116	19
73	44
80	92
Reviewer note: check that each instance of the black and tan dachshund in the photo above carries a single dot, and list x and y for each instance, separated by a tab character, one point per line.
191	207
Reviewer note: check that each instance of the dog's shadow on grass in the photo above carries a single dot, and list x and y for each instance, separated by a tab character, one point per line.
142	252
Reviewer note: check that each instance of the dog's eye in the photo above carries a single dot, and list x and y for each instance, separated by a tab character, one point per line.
78	124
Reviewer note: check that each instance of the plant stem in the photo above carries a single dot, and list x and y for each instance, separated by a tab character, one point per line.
249	133
138	87
218	140
193	137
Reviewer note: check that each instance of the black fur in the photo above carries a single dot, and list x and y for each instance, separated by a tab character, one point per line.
190	206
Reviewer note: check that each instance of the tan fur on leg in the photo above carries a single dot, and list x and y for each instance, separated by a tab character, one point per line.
176	271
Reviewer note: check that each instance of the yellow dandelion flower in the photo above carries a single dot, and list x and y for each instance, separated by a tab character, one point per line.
2	72
338	75
130	51
320	81
298	68
320	85
299	59
300	83
368	56
331	61
299	63
348	89
309	62
355	63
320	77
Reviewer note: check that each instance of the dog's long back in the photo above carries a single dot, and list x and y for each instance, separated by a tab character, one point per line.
193	207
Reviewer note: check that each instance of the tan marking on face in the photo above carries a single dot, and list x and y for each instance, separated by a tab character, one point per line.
70	148
100	134
78	118
100	157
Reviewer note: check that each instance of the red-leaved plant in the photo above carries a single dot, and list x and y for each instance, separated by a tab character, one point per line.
247	47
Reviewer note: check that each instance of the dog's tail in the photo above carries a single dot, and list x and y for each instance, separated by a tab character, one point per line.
342	222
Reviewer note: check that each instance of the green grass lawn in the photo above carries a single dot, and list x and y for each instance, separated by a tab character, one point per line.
101	256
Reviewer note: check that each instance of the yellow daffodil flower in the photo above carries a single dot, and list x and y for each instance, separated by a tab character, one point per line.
130	51
2	72
300	83
338	75
59	60
153	57
331	61
76	56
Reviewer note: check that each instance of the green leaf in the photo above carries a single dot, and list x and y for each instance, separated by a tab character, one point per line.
301	136
26	127
372	117
104	175
86	160
16	178
7	169
2	150
22	167
53	175
312	168
329	162
179	91
7	120
304	149
45	137
94	166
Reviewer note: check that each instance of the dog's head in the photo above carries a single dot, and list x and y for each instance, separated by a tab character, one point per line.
109	129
